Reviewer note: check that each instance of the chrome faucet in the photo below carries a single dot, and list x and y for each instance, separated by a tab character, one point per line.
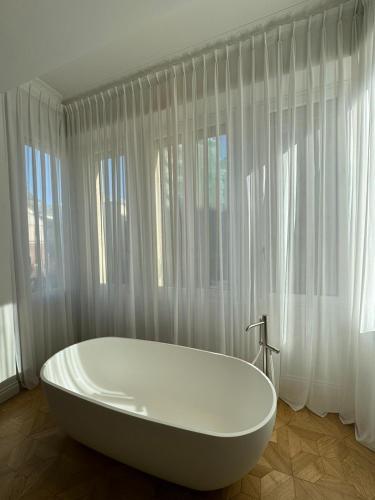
263	341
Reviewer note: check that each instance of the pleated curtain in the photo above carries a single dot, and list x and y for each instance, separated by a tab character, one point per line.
235	182
43	255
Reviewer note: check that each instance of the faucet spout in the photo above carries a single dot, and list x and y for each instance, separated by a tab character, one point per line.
254	325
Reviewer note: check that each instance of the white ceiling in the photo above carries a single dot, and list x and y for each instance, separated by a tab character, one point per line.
79	45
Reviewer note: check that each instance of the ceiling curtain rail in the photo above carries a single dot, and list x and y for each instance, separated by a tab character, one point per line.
347	11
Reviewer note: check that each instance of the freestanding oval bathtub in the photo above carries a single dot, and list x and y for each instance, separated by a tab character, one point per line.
192	417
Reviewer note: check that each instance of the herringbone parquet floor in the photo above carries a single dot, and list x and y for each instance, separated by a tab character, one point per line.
308	458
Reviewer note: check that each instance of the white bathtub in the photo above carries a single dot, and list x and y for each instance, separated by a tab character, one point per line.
192	417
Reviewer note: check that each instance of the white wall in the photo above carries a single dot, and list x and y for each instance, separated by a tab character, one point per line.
7	310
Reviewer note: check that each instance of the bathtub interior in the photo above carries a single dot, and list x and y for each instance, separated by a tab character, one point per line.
178	386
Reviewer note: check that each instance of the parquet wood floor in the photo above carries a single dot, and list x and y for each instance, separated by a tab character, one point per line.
308	457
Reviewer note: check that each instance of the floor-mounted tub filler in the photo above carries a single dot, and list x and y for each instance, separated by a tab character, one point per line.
192	417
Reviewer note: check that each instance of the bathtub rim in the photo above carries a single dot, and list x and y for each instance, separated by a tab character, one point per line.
245	432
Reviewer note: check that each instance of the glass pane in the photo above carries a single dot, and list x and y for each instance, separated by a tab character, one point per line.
44	211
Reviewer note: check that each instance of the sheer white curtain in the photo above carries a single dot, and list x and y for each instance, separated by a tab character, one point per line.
163	253
235	183
41	228
358	393
317	212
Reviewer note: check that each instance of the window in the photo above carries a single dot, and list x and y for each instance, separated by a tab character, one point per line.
304	222
165	196
173	183
112	220
44	207
212	202
213	144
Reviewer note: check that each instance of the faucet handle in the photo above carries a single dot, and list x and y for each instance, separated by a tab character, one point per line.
254	325
273	349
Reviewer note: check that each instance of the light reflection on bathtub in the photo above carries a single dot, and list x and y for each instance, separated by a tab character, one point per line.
70	373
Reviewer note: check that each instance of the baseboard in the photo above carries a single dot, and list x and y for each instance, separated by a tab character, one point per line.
9	388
